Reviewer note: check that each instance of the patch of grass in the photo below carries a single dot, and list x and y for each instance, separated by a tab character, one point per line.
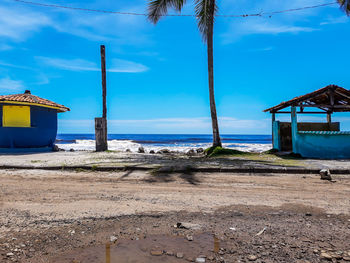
35	161
111	151
219	151
94	168
271	151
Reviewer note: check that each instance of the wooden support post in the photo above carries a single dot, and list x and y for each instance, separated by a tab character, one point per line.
104	89
101	123
329	118
101	134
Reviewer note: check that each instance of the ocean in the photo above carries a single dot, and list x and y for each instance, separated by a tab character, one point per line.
173	142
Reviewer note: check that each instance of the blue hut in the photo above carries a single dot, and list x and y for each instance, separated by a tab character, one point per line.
322	140
28	121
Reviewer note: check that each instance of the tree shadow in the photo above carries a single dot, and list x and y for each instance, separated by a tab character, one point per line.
190	177
159	178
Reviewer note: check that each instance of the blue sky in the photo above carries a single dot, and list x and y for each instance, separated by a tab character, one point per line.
157	79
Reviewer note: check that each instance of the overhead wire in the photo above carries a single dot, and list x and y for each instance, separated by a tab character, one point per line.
172	15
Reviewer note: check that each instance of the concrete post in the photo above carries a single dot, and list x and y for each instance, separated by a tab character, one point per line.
294	126
273	135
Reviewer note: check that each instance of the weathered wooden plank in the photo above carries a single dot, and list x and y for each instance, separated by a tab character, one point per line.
101	134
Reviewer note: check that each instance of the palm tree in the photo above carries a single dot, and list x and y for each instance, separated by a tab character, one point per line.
205	13
345	4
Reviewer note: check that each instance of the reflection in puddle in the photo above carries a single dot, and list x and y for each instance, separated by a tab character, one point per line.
108	253
216	245
153	248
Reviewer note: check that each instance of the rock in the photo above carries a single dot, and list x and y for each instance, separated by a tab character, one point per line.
200	260
200	150
326	256
55	148
72	150
156	252
164	151
10	254
189	238
308	214
252	257
113	239
169	253
179	255
190	259
337	255
187	226
325	174
191	152
141	150
152	152
346	258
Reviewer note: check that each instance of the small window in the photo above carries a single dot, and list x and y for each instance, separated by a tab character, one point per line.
16	116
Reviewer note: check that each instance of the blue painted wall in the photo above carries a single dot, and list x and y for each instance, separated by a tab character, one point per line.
42	132
319	144
324	145
276	144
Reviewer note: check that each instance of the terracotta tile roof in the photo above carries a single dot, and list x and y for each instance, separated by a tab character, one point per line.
27	97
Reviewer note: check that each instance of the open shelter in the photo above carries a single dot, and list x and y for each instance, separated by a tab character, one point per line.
313	139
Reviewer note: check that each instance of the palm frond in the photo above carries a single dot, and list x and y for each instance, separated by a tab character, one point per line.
159	8
345	5
205	13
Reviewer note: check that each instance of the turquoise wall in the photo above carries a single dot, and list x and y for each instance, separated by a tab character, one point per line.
276	144
323	145
319	144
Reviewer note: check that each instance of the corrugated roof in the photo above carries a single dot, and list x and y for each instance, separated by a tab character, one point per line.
321	99
28	98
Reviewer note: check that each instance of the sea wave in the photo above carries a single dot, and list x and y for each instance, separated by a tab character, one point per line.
123	145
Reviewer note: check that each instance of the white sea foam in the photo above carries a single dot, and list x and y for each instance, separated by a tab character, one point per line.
123	145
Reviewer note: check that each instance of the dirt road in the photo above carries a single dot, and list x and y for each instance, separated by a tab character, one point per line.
64	216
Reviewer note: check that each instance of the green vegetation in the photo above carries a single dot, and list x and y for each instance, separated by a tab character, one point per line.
271	151
219	151
268	157
111	151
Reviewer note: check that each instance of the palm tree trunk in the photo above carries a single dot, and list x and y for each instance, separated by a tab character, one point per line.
214	118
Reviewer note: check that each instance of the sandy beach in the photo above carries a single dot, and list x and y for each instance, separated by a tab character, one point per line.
70	215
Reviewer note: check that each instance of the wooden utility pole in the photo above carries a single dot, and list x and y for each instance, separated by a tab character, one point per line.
101	123
104	89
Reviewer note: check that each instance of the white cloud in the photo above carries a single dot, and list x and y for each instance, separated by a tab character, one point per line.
9	85
285	23
264	49
5	64
118	65
335	20
5	47
18	24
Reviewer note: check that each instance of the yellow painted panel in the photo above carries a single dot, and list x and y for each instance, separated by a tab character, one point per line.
15	116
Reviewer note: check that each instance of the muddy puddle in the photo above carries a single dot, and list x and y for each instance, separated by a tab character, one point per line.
155	248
